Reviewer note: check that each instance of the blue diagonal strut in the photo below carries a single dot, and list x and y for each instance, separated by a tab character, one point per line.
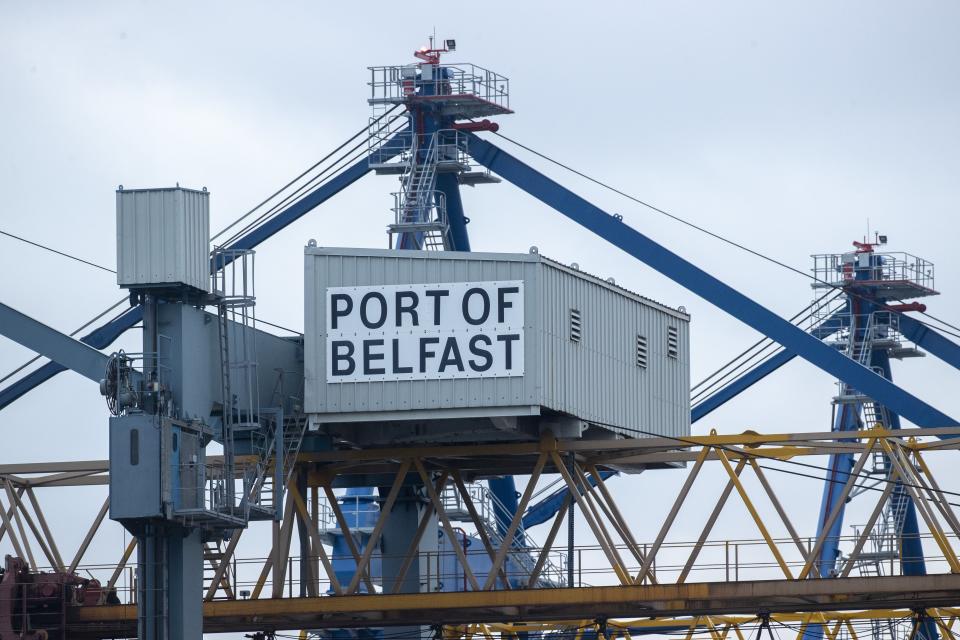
706	286
757	373
104	335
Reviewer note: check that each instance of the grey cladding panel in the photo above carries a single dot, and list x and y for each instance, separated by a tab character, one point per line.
163	238
135	486
595	378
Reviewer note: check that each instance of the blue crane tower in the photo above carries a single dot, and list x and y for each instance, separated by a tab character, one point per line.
431	158
875	286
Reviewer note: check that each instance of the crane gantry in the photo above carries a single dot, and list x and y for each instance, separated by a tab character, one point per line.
201	379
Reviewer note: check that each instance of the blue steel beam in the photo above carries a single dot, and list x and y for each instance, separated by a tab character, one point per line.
104	335
741	384
929	339
827	328
704	285
447	183
317	197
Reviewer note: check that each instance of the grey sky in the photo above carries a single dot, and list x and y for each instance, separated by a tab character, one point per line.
785	126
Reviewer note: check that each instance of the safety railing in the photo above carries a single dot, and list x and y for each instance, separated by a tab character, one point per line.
395	84
732	560
452	149
839	270
428	209
360	513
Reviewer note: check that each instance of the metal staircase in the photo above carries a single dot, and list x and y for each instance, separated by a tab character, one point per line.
207	492
419	208
274	439
271	478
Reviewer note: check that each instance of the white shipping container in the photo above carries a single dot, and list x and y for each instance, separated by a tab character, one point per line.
415	336
163	238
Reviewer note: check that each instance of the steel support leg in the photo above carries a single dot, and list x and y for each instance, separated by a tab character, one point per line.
169	583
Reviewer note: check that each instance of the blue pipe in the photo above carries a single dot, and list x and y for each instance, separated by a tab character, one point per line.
840	466
505	491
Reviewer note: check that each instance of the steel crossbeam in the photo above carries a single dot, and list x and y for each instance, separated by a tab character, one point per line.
662	578
590	603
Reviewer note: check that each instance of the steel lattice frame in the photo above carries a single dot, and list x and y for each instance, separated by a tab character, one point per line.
642	587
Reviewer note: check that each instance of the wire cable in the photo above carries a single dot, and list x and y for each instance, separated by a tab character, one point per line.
861	487
322	177
762	340
75	332
760	455
308	170
652	207
767	342
59	253
277	326
756	454
314	182
765	356
247	214
943	322
701	229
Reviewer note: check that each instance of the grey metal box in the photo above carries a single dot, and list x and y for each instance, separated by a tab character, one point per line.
590	349
136	489
163	238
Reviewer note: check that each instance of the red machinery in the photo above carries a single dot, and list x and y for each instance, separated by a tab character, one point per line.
33	606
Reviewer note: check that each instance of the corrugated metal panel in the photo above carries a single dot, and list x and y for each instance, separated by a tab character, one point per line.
596	379
163	238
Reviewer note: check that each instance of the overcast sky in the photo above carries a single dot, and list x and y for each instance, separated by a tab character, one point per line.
788	127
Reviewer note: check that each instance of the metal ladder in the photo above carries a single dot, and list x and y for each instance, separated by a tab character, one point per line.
213	555
857	347
233	284
419	207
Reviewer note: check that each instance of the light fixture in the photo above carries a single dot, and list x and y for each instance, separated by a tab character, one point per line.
451	45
